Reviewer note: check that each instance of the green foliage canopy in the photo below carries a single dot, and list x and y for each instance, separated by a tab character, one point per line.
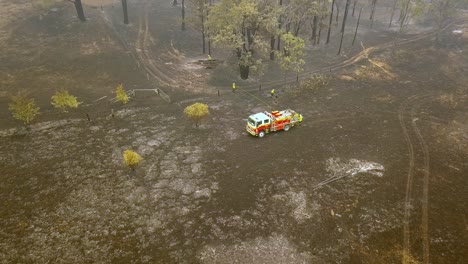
291	59
196	112
121	95
23	108
131	159
63	101
244	26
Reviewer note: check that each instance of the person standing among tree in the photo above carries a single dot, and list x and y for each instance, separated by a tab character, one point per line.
233	87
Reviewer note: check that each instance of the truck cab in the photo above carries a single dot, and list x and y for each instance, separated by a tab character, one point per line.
258	124
262	123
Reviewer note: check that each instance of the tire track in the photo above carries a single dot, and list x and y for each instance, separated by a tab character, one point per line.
403	114
425	193
409	182
142	52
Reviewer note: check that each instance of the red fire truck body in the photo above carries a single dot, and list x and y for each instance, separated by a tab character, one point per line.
262	123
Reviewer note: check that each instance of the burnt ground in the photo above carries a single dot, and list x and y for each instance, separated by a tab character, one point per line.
375	174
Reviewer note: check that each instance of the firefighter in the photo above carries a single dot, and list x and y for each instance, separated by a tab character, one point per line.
272	93
233	87
209	57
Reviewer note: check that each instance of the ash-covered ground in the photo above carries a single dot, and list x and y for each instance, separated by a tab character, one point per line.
376	173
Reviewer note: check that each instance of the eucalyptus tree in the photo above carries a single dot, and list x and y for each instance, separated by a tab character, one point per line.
343	25
410	9
291	59
297	13
372	13
245	27
320	12
199	11
330	23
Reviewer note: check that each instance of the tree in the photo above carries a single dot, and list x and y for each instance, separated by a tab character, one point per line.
132	159
410	9
200	13
79	9
121	95
298	12
357	26
392	14
196	112
371	16
291	58
125	11
441	10
64	101
245	26
23	108
330	23
183	14
344	25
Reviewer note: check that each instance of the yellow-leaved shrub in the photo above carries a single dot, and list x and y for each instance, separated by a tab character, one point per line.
132	159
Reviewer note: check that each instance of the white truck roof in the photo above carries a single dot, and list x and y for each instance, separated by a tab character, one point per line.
259	117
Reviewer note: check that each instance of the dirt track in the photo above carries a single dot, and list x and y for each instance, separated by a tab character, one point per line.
374	175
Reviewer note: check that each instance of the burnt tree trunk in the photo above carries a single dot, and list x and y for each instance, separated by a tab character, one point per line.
337	13
174	3
343	25
371	18
330	23
314	29
278	44
393	13
203	34
125	11
357	25
320	29
244	72
272	47
354	6
79	10
209	46
345	16
183	14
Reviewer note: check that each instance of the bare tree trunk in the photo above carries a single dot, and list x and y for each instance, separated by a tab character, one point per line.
209	41
272	47
343	25
337	13
371	18
183	14
393	13
203	33
330	23
314	29
320	29
79	10
345	16
357	25
403	15
278	44
354	6
125	11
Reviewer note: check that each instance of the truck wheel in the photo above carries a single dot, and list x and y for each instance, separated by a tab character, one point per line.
261	134
287	127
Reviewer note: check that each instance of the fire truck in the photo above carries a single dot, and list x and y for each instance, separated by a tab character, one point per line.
262	123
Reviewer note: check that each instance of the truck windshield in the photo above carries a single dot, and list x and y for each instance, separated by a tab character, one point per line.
251	122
